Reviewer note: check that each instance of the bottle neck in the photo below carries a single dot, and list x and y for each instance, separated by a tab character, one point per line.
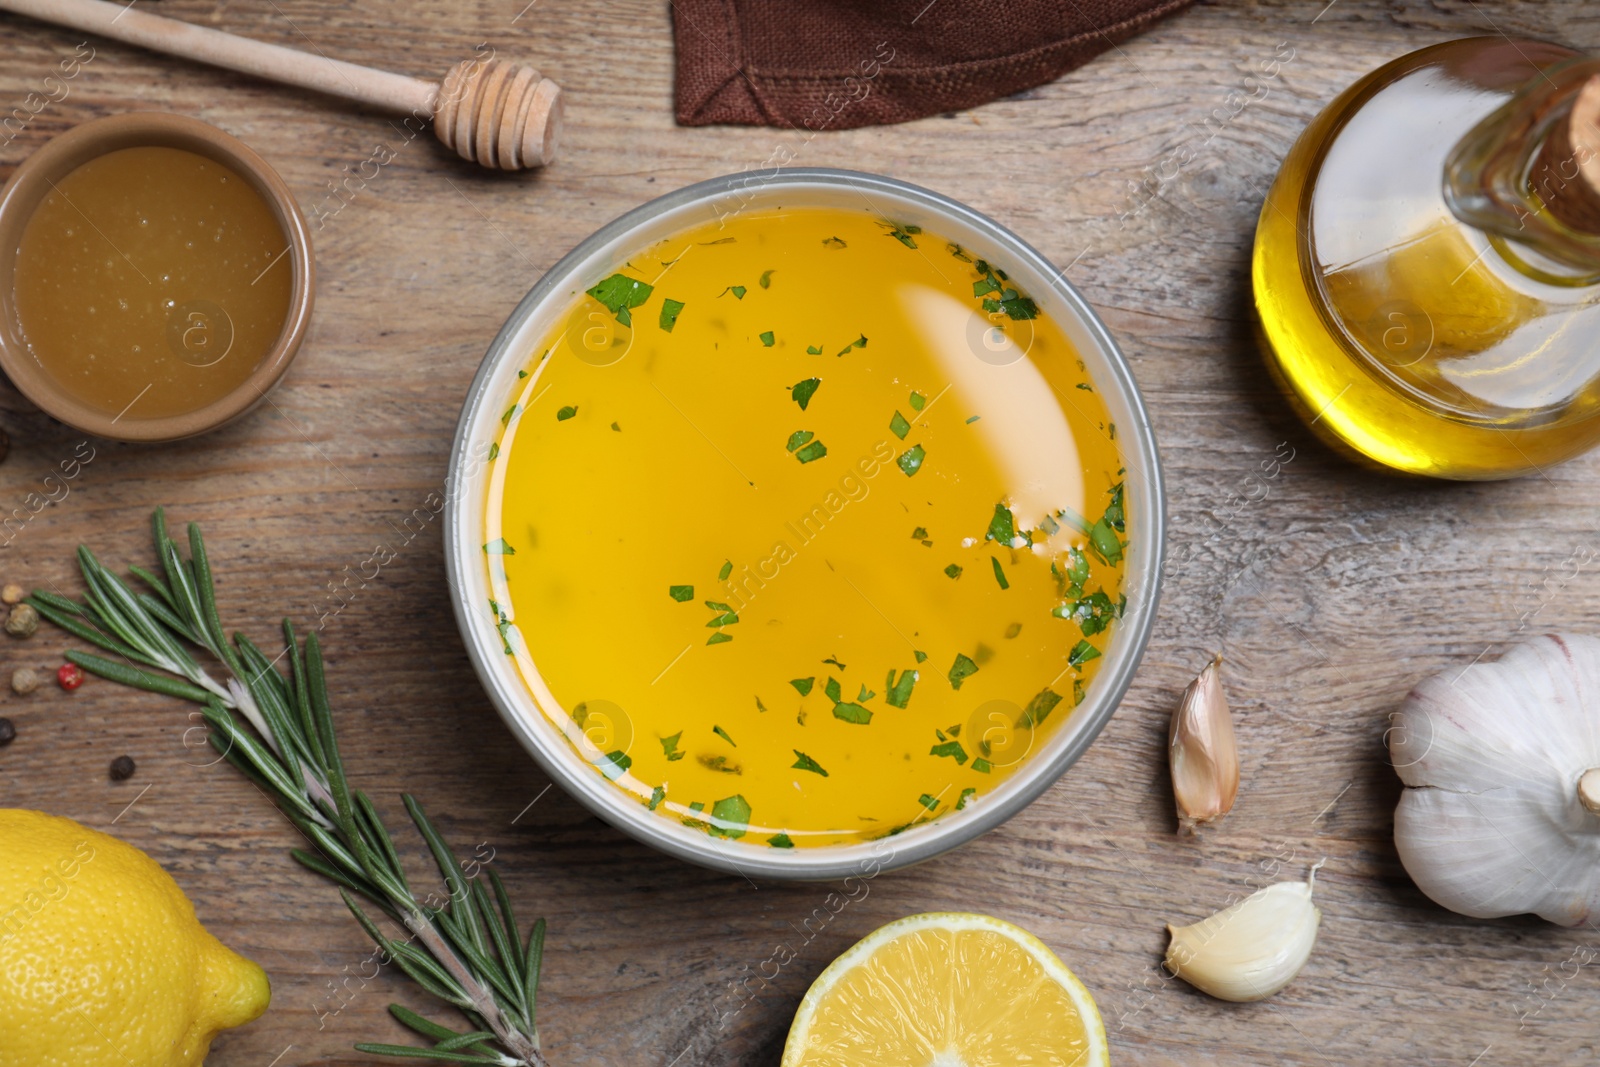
1529	174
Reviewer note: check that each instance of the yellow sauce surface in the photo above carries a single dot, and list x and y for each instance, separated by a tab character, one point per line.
805	624
151	281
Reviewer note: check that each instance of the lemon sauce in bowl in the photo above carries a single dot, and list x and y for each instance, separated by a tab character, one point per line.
805	527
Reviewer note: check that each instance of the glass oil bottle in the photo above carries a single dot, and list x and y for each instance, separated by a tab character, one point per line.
1427	263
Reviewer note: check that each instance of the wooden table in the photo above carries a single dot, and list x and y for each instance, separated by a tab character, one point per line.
1329	597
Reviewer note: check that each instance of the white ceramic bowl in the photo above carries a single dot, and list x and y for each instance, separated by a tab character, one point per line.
551	299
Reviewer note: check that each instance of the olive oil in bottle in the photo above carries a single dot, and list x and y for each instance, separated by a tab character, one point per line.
1427	264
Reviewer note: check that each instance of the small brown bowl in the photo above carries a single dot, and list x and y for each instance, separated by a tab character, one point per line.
28	187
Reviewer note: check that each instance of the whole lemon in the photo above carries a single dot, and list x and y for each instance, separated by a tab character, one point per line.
102	961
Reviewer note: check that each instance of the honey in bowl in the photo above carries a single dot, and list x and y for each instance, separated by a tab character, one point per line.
151	281
806	527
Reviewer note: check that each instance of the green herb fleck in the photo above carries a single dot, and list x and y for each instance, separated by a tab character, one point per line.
523	374
865	695
966	795
719	638
910	461
722	575
953	571
615	427
804	762
1082	653
929	802
802	392
738	291
922	657
768	338
798	438
618	293
720	732
766	279
669	313
735	812
902	232
1104	541
1077	567
831	688
780	841
669	747
999	574
962	669
681	593
959	252
832	242
499	547
815	450
813	350
511	413
727	618
657	795
614	764
853	713
899	692
917	401
981	765
974	419
859	342
899	426
1114	510
921	534
1040	707
803	685
566	413
494	450
952	749
1002	526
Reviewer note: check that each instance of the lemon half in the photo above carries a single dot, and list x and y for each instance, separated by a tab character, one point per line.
947	989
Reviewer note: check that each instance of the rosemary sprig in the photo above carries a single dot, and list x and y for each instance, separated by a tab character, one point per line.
275	726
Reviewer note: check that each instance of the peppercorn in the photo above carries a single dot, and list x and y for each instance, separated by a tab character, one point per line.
122	768
12	593
24	680
70	676
23	621
8	732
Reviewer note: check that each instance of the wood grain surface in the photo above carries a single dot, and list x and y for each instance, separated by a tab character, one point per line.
1329	594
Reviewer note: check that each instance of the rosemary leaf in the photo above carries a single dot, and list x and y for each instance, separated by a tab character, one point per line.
138	679
73	624
155	582
533	961
408	1052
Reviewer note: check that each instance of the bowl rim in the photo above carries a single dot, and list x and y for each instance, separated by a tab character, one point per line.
1147	509
99	137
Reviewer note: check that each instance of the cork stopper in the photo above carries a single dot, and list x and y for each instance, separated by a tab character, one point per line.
499	114
1567	173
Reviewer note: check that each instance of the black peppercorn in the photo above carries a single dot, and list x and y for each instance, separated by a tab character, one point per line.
122	769
8	732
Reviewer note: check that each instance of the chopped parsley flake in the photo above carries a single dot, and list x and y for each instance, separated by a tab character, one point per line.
865	695
974	419
780	841
802	392
718	638
962	669
1013	630
618	293
981	765
720	732
803	685
499	547
899	692
966	795
657	795
681	593
1002	526
1105	543
920	534
999	574
766	279
725	619
669	313
910	461
859	342
1040	707
952	749
804	762
853	713
511	413
831	687
1114	510
735	812
738	291
614	764
833	242
1082	653
494	450
722	575
929	802
922	657
768	338
669	747
917	401
959	252
953	571
814	350
815	450
899	426
615	427
902	232
566	413
798	438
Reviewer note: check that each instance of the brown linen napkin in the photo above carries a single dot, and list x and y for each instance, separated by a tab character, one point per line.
837	64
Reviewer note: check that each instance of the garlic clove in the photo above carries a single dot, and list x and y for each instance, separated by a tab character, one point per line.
1251	950
1203	752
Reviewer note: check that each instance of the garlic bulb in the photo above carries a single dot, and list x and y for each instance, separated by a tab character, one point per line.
1251	950
1202	751
1502	761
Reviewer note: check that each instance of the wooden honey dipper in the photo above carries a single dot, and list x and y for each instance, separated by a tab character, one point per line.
493	112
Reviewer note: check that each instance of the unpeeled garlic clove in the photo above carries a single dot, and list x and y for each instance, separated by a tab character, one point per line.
1252	949
1202	750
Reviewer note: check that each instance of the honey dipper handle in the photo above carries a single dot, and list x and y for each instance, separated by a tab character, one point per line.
392	92
493	112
